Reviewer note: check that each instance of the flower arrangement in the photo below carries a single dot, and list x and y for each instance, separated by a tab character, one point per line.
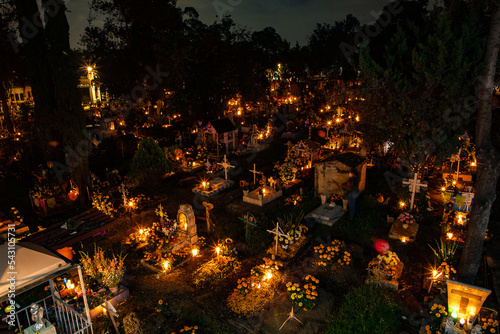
384	266
332	255
446	269
294	200
244	286
227	247
488	325
304	296
268	268
109	270
102	203
244	184
406	218
213	271
438	312
286	173
294	234
388	258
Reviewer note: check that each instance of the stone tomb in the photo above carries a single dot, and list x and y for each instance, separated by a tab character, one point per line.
327	213
187	223
257	198
465	299
404	234
213	187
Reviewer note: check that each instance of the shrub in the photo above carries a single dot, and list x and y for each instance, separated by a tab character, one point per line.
149	165
366	310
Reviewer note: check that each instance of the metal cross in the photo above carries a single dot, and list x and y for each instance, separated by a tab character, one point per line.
248	219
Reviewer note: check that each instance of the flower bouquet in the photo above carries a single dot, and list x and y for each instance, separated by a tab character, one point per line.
406	219
304	296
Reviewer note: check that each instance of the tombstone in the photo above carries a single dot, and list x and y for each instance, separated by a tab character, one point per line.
465	300
187	222
330	175
41	325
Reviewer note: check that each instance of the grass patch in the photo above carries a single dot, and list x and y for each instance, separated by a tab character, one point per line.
366	310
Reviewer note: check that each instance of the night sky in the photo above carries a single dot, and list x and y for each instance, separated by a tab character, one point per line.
292	19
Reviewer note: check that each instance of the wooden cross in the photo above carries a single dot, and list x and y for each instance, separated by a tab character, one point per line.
208	207
291	315
279	233
248	219
272	182
160	212
226	166
414	187
255	172
124	192
208	165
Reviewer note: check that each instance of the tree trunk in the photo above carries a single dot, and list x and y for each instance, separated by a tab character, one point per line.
488	160
6	110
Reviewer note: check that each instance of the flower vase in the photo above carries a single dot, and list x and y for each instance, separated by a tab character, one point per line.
114	289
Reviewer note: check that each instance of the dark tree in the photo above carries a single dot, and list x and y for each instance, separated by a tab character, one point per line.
59	117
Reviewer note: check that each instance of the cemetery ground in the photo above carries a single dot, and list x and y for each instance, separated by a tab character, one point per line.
166	302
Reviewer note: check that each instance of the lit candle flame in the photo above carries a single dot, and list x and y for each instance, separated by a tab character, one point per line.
401	204
450	235
141	231
217	250
166	265
195	252
269	275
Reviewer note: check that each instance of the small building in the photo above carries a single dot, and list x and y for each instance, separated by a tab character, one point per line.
330	175
223	131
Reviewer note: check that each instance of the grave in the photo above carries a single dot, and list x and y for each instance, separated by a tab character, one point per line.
217	185
187	223
404	234
262	195
393	283
327	213
465	300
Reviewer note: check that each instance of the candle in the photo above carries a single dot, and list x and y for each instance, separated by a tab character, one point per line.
462	322
218	251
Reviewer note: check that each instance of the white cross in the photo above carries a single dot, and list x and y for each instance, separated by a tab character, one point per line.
414	186
279	233
272	182
255	172
123	190
225	165
208	165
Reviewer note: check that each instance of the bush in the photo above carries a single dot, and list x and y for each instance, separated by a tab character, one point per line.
149	165
366	310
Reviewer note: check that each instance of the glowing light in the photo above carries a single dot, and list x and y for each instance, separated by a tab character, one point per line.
337	120
402	204
454	182
269	275
131	203
443	189
166	265
357	118
264	192
89	69
403	240
217	250
185	226
141	231
454	314
329	122
462	322
473	164
450	235
204	184
434	273
194	251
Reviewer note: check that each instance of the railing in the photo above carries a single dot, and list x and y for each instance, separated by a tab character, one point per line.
70	321
56	311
